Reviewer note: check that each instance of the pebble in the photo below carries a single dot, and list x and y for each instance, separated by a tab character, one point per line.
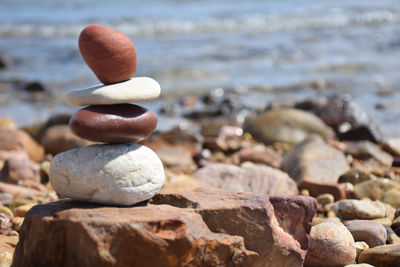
330	242
60	138
325	199
261	154
373	233
396	222
286	126
360	247
392	237
338	191
22	210
355	176
113	123
362	132
374	189
357	209
139	89
367	149
114	174
392	197
109	53
382	256
315	161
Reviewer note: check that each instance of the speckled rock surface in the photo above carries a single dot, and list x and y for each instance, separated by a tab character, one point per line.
122	174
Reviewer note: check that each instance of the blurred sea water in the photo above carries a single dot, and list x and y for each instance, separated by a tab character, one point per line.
265	48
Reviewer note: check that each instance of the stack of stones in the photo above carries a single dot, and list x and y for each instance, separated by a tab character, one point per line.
118	172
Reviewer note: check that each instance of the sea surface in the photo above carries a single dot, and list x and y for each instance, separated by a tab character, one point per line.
262	49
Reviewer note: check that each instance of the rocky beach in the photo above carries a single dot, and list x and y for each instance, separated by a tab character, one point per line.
248	135
287	187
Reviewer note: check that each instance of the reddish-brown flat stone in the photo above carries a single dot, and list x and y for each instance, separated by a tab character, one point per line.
109	53
113	123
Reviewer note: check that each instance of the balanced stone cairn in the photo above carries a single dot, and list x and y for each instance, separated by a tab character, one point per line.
119	172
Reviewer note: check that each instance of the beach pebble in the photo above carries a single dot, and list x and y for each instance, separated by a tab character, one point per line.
325	199
113	123
382	256
367	149
358	209
355	176
331	244
392	197
392	237
373	233
360	247
315	161
60	138
261	154
110	54
286	126
362	132
17	140
138	89
338	191
22	210
374	189
117	174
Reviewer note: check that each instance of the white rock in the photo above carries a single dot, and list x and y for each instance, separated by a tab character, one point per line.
139	89
115	174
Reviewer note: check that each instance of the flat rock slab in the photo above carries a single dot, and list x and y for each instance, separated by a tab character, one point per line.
206	227
139	89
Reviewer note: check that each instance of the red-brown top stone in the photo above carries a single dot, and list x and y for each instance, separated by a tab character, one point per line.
109	53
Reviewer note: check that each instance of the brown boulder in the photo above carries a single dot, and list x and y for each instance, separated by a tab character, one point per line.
258	178
205	228
80	234
278	232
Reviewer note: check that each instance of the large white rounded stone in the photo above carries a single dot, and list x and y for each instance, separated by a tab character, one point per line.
114	174
139	89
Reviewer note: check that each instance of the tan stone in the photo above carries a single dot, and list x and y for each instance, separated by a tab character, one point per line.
382	256
331	244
